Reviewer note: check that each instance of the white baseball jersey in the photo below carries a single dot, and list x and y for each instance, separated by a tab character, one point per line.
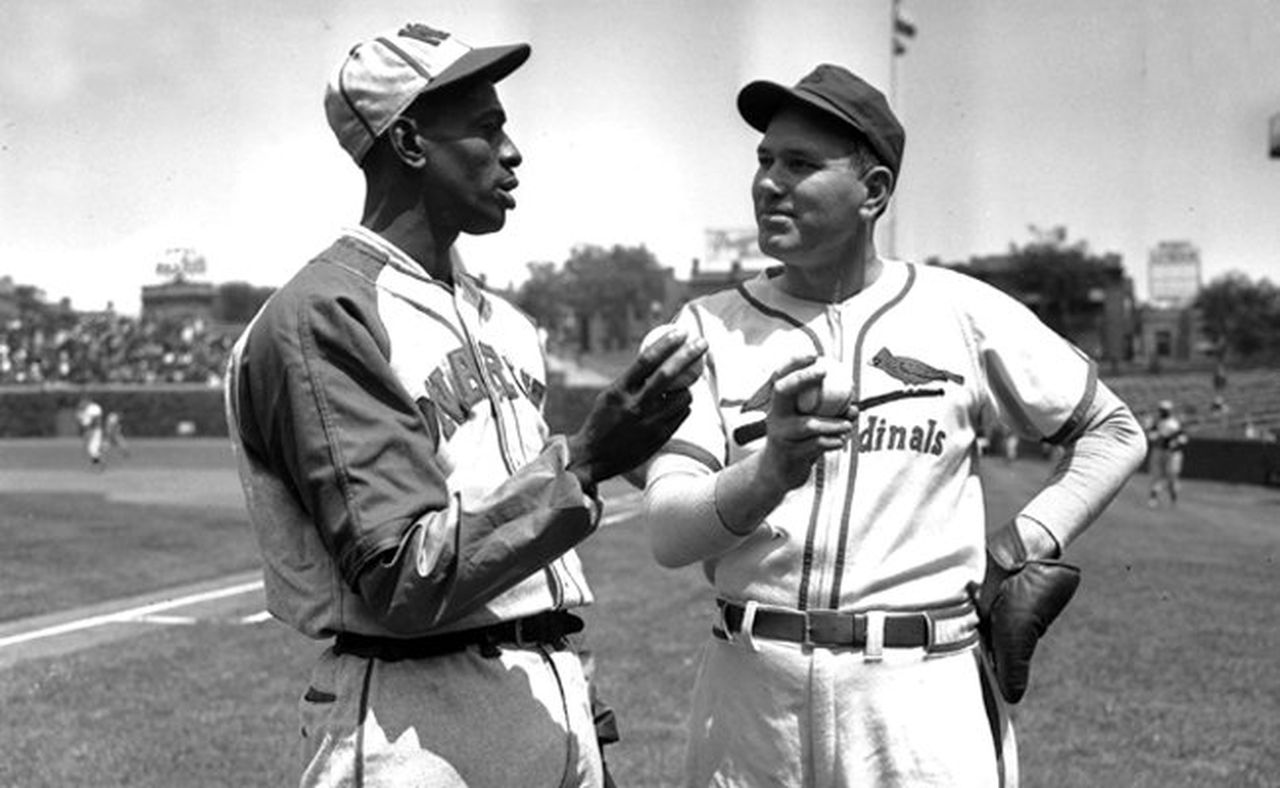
896	519
375	407
90	416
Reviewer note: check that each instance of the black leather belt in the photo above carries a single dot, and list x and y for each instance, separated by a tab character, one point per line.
836	629
550	628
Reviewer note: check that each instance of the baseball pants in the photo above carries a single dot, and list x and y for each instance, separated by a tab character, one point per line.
522	717
784	714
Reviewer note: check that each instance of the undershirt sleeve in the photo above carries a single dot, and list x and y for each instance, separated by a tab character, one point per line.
1094	467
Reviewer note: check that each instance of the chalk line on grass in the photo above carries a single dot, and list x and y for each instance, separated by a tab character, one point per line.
131	614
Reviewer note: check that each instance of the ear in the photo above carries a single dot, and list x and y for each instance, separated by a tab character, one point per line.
406	142
879	183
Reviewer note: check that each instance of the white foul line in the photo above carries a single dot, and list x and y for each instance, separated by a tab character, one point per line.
130	614
148	611
163	619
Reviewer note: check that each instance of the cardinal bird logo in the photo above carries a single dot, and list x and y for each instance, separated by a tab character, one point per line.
911	371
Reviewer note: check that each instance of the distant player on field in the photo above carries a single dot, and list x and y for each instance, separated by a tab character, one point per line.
89	420
1167	440
827	479
113	433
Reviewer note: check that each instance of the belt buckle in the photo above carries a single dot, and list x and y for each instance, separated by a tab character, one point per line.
828	628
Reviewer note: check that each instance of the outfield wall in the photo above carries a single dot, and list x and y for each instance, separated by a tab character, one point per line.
157	410
1247	462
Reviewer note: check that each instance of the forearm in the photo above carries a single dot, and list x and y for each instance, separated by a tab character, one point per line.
452	561
1085	480
696	516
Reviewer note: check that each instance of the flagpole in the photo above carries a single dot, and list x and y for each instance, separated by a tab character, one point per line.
892	235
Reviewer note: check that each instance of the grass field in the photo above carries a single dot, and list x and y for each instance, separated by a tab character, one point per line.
1163	672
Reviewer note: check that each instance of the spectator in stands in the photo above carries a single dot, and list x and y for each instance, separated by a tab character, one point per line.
1167	441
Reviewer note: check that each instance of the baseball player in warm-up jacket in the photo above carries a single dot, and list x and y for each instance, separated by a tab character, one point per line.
827	480
410	505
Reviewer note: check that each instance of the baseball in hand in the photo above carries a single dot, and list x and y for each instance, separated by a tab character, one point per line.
833	396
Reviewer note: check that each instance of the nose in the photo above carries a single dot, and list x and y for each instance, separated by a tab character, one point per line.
508	154
766	182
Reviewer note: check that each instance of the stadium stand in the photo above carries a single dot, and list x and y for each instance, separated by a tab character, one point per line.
88	348
1251	399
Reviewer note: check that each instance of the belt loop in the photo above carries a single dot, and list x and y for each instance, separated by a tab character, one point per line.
722	611
748	623
874	649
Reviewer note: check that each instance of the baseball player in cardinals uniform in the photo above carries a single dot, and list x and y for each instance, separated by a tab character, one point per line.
827	479
411	508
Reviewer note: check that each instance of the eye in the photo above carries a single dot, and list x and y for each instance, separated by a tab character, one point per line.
801	164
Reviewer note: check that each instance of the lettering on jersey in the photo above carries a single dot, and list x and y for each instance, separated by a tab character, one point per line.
466	377
910	371
752	431
533	388
882	435
454	388
497	372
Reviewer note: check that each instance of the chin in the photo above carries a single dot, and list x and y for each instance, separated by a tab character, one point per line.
487	225
776	245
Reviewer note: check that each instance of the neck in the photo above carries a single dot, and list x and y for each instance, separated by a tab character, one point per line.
404	222
835	277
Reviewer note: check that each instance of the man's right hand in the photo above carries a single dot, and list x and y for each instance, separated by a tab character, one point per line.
636	414
796	440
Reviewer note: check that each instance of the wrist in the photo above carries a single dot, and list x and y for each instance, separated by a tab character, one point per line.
585	480
574	459
770	473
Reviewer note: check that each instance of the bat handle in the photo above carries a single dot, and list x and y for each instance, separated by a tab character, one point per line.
757	429
749	432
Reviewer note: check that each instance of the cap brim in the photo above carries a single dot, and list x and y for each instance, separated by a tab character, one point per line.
490	63
759	101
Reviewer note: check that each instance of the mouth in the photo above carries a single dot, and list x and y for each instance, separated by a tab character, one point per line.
774	219
504	190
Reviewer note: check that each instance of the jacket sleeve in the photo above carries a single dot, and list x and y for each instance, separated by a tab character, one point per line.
321	405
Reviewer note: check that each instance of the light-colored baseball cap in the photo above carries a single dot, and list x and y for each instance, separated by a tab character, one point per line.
381	77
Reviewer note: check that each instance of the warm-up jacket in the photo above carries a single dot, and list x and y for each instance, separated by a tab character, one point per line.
381	416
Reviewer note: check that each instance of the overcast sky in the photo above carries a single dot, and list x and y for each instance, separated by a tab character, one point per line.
131	126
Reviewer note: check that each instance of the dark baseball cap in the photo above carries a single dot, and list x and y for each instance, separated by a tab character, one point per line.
835	92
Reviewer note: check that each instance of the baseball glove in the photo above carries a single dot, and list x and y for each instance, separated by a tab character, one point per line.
1015	609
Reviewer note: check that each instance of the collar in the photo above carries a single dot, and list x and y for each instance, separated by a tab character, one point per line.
401	261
